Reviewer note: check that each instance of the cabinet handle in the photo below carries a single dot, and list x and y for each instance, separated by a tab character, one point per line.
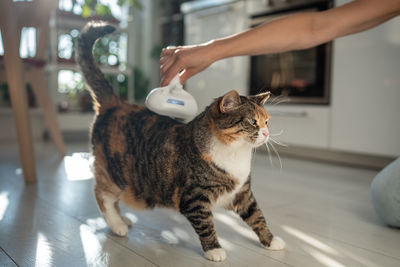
213	11
295	114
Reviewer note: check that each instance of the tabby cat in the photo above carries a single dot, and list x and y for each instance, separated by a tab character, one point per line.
147	160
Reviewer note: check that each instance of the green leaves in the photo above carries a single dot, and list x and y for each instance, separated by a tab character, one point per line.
103	10
132	3
98	9
86	11
93	7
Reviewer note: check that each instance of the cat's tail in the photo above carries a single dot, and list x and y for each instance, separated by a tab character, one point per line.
100	89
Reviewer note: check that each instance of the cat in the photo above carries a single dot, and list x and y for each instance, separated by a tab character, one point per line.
148	160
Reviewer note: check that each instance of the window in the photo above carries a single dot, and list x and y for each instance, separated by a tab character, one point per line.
110	52
1	46
28	42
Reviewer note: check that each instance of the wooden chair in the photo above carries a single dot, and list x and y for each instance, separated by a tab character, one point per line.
18	72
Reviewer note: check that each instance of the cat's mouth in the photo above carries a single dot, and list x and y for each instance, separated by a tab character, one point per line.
261	141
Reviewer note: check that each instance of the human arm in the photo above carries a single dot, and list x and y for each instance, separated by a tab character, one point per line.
298	31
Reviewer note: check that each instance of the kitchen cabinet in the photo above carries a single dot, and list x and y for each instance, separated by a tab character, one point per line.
301	125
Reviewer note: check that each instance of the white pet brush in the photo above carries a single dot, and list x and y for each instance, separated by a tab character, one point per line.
172	101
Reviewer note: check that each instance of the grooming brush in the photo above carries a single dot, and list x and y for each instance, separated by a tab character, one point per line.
172	101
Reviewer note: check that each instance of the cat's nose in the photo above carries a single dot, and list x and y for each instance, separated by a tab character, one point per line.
265	132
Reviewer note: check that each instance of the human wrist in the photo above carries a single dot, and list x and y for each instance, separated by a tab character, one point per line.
215	50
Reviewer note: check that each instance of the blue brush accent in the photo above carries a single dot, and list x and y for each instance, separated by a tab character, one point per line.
175	102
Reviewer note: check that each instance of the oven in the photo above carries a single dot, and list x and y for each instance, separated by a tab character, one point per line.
301	76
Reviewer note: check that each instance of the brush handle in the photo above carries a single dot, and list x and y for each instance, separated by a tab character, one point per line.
175	83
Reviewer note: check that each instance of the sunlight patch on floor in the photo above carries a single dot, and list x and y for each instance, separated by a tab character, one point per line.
246	232
96	224
324	259
309	240
361	260
92	248
181	234
132	217
169	237
43	251
78	166
225	243
4	202
18	171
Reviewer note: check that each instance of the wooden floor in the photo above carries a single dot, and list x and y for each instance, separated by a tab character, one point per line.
322	211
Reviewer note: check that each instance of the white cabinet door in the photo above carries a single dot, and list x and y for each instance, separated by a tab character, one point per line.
300	125
366	91
224	75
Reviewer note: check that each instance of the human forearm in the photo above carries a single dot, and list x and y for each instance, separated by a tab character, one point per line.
305	30
289	33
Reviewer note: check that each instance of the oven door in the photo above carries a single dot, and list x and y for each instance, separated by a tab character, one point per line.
301	76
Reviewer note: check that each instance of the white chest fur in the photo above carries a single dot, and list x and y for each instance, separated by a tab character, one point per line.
235	159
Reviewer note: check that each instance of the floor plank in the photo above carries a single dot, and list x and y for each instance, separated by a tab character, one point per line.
5	260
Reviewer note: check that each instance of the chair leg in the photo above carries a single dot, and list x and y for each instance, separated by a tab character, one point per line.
13	68
40	89
22	122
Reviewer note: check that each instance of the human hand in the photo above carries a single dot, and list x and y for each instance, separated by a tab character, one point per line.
187	60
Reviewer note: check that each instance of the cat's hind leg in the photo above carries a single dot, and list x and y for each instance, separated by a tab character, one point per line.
107	195
108	205
124	218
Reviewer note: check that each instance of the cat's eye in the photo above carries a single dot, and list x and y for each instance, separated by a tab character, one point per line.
266	122
252	121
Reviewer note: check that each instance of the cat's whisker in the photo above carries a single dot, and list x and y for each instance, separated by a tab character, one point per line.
284	100
269	155
278	142
276	99
276	134
277	154
272	101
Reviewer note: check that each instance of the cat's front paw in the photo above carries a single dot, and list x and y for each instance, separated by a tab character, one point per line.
216	254
127	221
120	229
276	244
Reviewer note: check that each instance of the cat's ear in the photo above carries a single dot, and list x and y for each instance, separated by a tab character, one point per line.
229	101
260	98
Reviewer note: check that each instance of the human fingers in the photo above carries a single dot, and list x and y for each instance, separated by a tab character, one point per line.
166	62
174	64
168	51
169	73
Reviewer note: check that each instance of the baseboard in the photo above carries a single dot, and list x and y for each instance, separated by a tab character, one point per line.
336	157
70	136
